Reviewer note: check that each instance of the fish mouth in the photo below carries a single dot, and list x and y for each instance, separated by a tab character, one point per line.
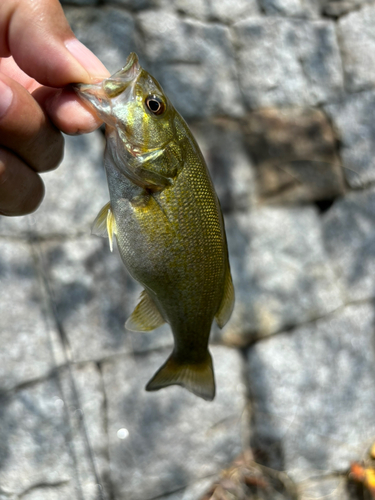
99	95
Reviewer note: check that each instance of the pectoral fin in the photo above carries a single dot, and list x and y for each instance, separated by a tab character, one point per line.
145	316
227	302
105	225
196	378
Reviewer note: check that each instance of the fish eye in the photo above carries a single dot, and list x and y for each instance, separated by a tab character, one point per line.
155	104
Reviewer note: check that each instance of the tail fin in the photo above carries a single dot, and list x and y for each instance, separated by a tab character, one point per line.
196	378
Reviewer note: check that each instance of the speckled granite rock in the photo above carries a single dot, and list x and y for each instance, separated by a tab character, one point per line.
94	296
281	272
30	344
353	120
291	8
68	209
349	228
357	41
269	49
312	395
224	11
189	72
172	438
278	139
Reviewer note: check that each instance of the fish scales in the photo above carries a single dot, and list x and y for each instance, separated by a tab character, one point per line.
167	221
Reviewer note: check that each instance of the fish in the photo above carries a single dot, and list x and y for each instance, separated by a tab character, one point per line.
166	219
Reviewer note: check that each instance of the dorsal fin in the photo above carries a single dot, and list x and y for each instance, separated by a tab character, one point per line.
227	302
105	225
146	315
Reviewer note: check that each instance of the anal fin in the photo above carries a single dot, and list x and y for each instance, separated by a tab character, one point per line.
105	225
197	378
227	302
146	315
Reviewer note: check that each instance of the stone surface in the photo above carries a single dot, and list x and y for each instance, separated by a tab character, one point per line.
84	400
353	119
349	228
357	42
291	8
337	8
270	49
174	438
278	139
109	32
230	166
34	448
200	76
312	394
281	272
224	11
94	296
68	208
30	342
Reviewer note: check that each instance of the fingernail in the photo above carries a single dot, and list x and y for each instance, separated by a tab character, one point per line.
6	98
86	58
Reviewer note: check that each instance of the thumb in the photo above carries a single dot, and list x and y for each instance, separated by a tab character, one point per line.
38	36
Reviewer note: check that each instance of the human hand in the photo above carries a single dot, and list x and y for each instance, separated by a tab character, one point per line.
38	56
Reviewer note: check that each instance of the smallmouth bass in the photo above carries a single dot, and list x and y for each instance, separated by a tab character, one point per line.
166	218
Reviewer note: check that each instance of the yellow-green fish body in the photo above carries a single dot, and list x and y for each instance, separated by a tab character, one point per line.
167	221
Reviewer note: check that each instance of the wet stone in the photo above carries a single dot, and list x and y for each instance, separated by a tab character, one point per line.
312	396
74	192
294	151
230	166
109	32
271	48
94	296
189	72
163	441
349	228
281	272
357	42
30	344
353	120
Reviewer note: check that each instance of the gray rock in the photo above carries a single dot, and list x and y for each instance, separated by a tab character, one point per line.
349	228
75	192
337	8
292	8
199	76
109	32
54	492
33	434
224	11
84	400
94	296
294	150
30	344
287	62
357	42
231	168
353	119
312	394
281	272
163	441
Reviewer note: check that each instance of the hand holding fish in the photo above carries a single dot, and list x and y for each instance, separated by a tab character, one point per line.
38	56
